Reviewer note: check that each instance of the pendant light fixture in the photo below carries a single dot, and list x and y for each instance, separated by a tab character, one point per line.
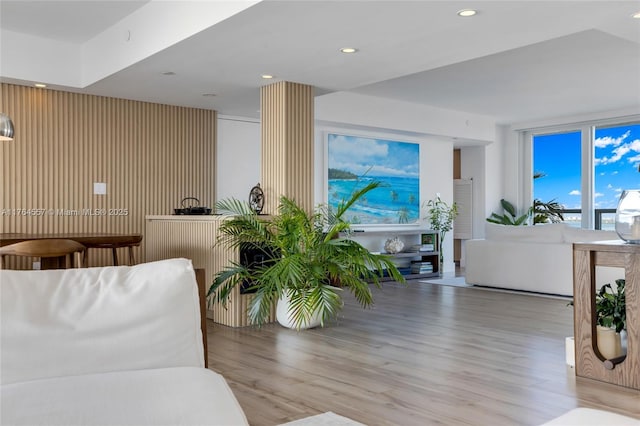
6	127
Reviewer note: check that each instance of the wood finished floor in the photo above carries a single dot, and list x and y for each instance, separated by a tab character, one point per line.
424	355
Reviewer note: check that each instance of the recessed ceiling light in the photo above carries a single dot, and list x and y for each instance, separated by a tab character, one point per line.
40	85
168	73
467	12
636	15
267	76
348	50
210	95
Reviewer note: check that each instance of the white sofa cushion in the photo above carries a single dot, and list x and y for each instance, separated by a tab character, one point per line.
548	233
83	321
578	235
166	396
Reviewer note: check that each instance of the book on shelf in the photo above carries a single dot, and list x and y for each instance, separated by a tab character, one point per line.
421	248
418	267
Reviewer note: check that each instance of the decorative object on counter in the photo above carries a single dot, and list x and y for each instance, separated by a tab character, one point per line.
256	199
393	245
628	216
313	265
441	216
6	127
191	206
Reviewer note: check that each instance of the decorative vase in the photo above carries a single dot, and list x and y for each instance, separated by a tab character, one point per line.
628	216
393	245
283	315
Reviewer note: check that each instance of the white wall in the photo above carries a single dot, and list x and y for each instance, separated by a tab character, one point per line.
238	157
407	117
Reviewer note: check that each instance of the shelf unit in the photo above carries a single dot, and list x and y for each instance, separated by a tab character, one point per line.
374	240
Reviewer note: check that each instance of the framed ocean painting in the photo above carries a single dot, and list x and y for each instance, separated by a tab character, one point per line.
352	161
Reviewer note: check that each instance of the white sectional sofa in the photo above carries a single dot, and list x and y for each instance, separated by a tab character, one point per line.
532	258
108	346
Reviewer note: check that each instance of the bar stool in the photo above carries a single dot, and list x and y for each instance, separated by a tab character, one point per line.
54	253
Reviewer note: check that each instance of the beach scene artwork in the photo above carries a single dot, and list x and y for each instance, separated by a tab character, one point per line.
353	161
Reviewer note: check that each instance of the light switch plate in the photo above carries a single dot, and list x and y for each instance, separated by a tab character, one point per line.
99	188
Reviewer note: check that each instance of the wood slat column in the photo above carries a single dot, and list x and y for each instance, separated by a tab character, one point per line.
286	112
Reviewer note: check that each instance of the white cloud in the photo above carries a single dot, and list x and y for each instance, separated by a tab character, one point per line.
634	160
597	194
574	192
609	141
360	148
619	152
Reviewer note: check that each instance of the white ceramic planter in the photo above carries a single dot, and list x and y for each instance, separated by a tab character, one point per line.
282	315
609	342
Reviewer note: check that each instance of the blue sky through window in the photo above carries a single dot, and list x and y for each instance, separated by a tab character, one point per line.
616	161
558	157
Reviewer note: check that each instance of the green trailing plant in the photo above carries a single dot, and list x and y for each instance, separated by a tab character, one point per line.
509	215
441	216
308	255
611	306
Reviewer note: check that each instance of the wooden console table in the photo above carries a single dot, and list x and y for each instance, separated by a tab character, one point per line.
589	362
89	240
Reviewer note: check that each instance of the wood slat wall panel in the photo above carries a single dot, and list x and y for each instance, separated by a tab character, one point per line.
150	155
287	143
195	239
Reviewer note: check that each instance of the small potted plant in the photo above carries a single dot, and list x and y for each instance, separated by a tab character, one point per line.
441	216
611	319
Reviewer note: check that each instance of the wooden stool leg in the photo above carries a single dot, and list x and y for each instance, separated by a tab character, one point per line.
115	256
132	260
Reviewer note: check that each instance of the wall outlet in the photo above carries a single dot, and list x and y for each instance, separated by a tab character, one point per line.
36	266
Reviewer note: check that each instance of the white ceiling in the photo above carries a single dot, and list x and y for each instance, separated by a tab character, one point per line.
514	61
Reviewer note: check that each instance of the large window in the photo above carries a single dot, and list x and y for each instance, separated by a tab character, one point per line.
585	169
616	160
557	172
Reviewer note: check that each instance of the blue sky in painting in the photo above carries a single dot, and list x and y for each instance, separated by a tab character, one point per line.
388	158
616	161
394	164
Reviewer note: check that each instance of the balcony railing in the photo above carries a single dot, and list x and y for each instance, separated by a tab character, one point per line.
604	218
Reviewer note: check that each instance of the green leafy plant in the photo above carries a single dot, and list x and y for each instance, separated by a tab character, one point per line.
441	216
610	306
509	216
313	261
549	212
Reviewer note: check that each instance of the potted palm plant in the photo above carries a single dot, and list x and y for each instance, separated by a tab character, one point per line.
312	261
441	216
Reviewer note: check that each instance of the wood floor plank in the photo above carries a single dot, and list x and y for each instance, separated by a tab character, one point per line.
423	355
